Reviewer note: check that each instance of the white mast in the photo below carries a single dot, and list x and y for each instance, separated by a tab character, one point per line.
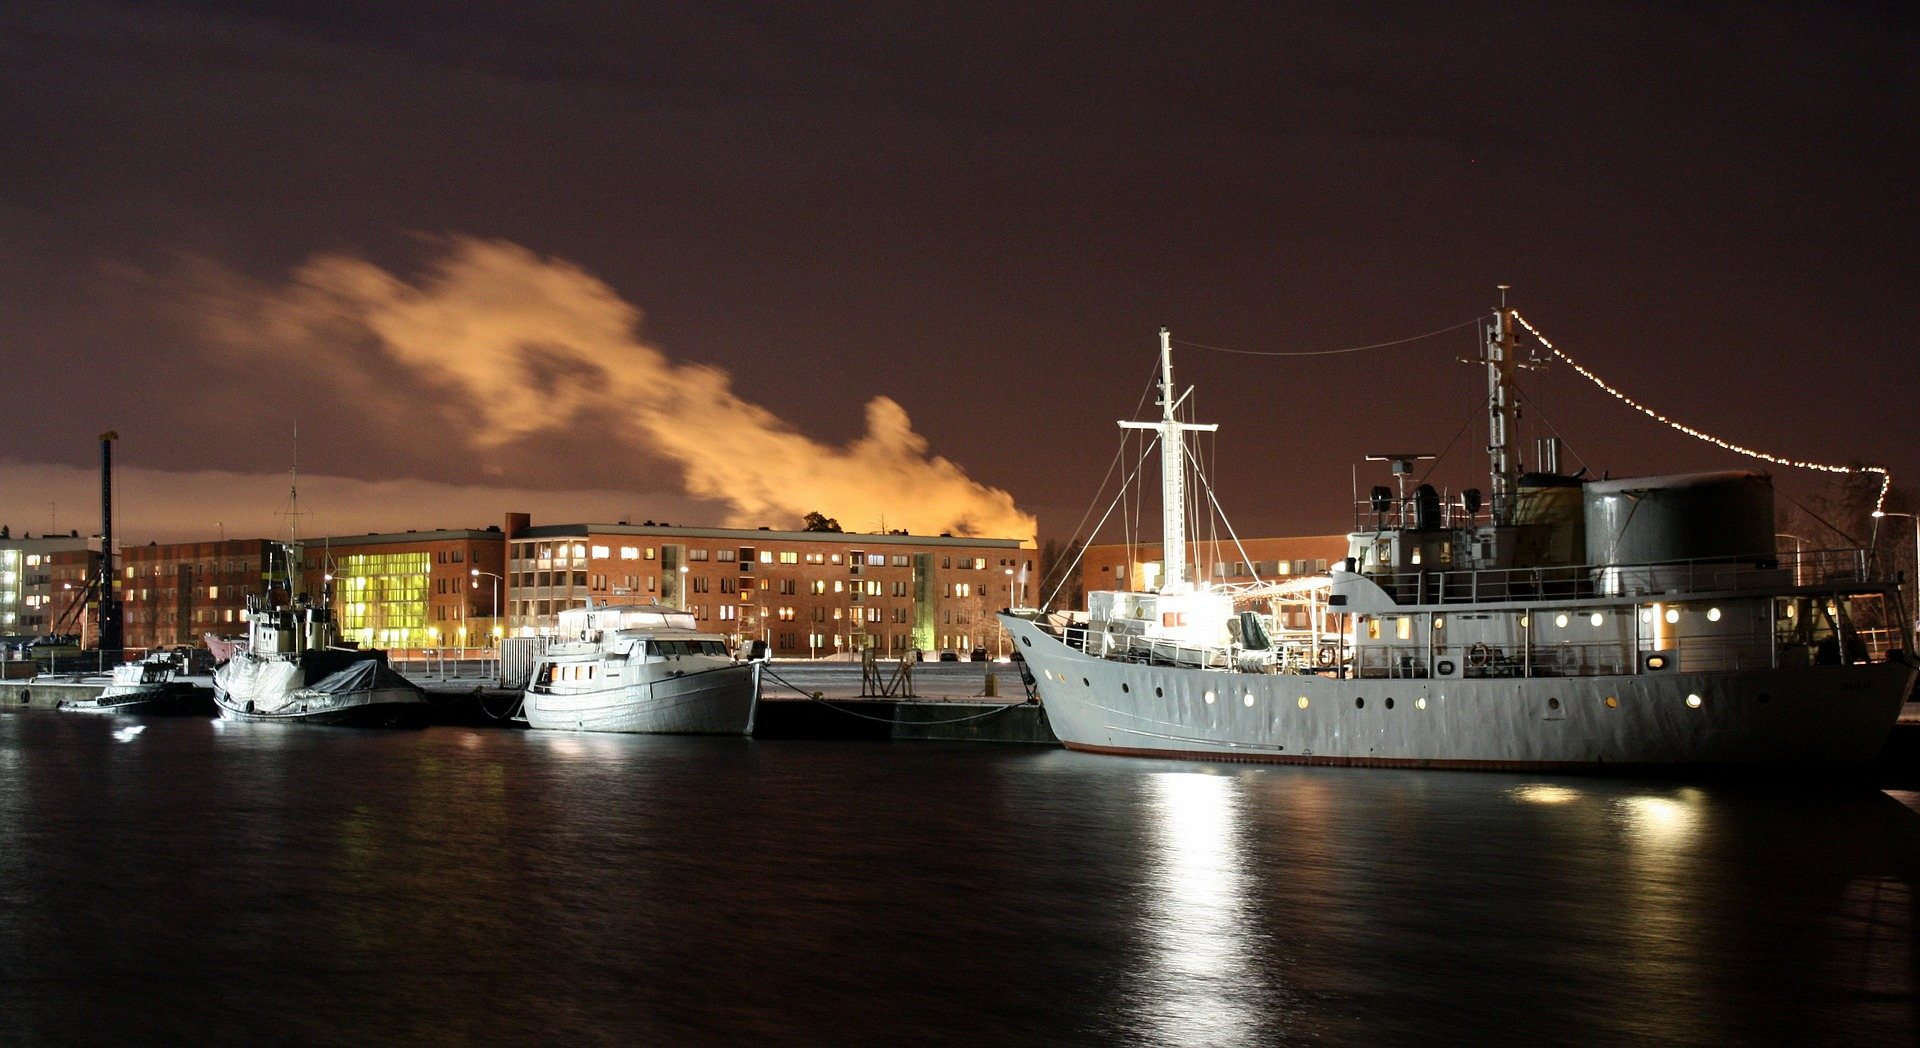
1500	355
1173	473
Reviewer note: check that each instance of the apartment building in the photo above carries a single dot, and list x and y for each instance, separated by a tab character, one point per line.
806	593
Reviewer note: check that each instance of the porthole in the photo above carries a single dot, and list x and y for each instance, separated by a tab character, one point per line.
1303	702
1596	618
1126	689
1560	621
1673	614
1713	614
1028	641
1209	697
1553	704
1086	682
1247	699
1420	703
1389	702
1359	702
1158	694
1613	703
1693	702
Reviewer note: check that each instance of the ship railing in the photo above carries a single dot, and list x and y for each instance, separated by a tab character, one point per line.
1581	582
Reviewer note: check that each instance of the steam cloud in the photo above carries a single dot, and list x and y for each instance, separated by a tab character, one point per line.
529	346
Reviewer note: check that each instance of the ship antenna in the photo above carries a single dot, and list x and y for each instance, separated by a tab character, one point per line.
1173	497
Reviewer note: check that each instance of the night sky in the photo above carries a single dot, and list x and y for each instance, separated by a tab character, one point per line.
599	261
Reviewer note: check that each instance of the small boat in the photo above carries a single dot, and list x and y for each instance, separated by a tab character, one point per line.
145	688
1570	624
291	669
642	668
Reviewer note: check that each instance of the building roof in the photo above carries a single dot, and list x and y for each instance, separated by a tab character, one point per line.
557	531
381	539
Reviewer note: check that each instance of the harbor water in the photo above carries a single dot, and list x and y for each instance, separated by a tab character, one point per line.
203	881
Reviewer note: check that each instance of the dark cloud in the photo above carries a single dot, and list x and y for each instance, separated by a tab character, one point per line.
984	211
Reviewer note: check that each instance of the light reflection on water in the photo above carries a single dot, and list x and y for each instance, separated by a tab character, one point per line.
1199	984
233	881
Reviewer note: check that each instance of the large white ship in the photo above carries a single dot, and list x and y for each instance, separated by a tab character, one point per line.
1563	625
641	668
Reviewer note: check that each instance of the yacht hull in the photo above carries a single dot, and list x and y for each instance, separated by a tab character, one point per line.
719	701
1812	716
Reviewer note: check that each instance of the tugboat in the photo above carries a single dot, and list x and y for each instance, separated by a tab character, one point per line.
143	688
642	668
292	669
1568	625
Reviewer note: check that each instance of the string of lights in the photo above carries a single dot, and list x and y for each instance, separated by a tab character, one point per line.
1326	352
1886	478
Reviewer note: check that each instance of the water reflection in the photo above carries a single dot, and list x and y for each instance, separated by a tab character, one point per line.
1201	984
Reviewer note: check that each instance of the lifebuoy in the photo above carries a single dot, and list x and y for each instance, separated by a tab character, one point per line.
1326	656
1479	655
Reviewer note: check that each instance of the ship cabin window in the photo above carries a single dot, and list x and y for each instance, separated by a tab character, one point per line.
1403	627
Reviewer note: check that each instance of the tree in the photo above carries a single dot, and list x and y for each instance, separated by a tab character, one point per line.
816	521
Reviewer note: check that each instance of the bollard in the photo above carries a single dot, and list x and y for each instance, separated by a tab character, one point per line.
993	685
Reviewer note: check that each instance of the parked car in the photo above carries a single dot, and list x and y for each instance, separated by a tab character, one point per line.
979	654
949	656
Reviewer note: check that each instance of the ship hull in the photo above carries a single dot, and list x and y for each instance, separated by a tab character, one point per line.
154	700
363	693
1813	716
720	701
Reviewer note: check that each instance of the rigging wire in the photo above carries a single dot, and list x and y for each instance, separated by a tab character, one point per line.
1119	455
1221	514
1326	352
1126	482
1886	478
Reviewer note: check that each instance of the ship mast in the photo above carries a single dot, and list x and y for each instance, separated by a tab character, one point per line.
1173	473
1502	411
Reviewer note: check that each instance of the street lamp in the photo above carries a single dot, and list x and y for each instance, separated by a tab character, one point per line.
1914	580
497	580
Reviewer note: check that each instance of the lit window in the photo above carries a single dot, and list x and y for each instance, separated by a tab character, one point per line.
629	553
1673	614
1713	614
1303	704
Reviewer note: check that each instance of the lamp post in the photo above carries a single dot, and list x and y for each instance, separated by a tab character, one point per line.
497	580
1913	583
